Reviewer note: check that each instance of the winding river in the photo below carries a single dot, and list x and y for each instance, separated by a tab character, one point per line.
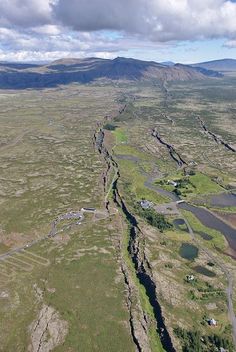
207	218
221	200
210	220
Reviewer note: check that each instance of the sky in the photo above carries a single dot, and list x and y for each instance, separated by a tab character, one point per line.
184	31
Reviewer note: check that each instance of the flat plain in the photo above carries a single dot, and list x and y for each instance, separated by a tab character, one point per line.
85	289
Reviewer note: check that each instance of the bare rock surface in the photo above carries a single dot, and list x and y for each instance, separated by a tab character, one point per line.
47	331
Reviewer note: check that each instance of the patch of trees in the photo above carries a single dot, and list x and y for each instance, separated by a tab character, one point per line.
194	341
109	127
183	184
155	219
192	173
177	191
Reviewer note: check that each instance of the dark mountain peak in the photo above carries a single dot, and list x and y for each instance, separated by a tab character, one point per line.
121	59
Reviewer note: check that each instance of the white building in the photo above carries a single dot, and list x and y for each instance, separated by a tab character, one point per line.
212	322
173	183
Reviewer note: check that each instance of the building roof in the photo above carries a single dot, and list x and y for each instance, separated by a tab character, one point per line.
145	204
212	321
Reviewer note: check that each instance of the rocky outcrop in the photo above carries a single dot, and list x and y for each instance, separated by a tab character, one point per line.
47	331
216	138
138	320
172	151
138	324
143	271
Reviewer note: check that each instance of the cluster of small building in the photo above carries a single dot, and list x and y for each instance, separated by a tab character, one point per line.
145	204
211	321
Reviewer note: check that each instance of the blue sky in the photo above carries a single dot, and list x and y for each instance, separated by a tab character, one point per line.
178	30
186	52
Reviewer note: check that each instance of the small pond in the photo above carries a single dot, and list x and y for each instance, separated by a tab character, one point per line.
188	251
180	224
204	271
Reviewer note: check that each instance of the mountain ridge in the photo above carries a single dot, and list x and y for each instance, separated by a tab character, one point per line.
218	65
77	70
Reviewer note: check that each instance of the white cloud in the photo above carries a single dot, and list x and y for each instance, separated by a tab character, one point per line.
158	20
231	44
25	13
46	56
48	29
37	44
71	27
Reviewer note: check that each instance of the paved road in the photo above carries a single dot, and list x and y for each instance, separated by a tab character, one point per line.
20	249
78	215
72	215
75	215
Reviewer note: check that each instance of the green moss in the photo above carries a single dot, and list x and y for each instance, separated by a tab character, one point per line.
120	134
131	150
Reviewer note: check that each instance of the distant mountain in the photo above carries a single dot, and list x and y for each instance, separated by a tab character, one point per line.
168	63
65	71
218	65
201	71
14	65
